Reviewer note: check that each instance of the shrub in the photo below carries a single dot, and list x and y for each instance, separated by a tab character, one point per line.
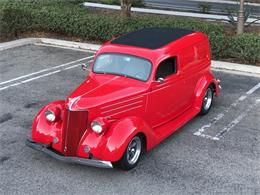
14	21
205	7
246	47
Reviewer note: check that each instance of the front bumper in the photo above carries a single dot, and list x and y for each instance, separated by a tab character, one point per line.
83	161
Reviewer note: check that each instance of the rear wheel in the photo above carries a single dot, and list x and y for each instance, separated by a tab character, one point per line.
207	100
132	154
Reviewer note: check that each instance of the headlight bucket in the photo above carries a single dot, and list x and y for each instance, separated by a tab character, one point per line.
52	114
99	125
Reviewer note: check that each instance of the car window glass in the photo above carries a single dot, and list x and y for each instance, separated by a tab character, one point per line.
166	68
124	65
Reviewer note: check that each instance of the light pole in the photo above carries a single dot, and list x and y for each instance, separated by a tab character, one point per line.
241	18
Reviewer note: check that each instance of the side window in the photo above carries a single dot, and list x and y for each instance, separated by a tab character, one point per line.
166	68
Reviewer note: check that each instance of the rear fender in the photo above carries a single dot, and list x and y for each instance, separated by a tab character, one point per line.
201	88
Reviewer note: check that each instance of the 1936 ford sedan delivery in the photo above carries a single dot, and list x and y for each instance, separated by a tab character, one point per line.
141	87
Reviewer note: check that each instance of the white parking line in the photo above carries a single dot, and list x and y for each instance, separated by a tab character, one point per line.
34	78
40	76
44	70
29	80
70	67
201	131
235	121
253	89
242	98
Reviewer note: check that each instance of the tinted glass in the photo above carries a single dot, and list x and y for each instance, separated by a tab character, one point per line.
166	68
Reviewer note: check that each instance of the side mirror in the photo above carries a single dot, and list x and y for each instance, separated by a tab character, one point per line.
160	80
86	65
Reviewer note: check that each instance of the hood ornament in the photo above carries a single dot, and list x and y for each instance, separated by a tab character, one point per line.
72	101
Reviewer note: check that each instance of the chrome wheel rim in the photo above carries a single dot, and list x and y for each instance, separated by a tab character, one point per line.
133	150
207	99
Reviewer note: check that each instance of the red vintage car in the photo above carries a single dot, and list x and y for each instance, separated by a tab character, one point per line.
141	87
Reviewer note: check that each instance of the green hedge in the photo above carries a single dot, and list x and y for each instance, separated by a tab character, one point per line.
72	19
246	47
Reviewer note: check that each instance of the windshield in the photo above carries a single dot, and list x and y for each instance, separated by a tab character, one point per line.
124	65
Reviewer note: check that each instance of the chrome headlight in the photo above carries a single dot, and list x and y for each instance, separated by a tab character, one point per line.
99	125
96	127
50	116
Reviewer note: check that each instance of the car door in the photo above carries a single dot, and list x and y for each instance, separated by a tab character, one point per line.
165	99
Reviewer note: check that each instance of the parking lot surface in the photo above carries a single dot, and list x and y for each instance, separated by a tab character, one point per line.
216	153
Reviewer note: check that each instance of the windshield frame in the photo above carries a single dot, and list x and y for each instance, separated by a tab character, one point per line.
118	74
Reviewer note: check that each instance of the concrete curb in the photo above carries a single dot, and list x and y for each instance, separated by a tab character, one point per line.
55	42
235	67
218	65
18	43
70	44
167	12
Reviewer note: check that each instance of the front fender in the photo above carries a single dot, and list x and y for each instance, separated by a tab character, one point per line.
44	131
111	145
201	88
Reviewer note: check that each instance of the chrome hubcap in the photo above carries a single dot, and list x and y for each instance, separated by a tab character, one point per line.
207	99
133	150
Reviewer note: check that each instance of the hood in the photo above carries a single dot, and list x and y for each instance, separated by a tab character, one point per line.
103	88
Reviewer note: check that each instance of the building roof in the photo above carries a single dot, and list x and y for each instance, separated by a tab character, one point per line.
152	38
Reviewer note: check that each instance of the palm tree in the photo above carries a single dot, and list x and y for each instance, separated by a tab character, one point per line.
241	18
126	8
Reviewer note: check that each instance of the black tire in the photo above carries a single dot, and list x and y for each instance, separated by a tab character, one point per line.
207	100
129	162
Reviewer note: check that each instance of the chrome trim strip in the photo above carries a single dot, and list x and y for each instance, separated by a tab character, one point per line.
161	87
125	110
117	108
122	102
83	161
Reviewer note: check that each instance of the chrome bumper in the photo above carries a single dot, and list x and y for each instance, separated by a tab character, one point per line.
83	161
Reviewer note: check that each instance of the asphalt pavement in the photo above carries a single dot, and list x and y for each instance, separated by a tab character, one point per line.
191	5
216	153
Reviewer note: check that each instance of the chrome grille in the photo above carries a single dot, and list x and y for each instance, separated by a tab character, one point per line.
76	126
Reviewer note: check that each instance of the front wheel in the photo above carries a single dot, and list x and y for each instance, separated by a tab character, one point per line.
132	154
207	101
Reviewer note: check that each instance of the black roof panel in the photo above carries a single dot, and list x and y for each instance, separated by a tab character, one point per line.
151	38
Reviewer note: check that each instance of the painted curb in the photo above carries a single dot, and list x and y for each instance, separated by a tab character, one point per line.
218	65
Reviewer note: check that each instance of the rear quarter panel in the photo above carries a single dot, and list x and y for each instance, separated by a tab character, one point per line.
194	63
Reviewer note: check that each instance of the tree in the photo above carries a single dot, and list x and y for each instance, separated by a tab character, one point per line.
126	8
241	18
